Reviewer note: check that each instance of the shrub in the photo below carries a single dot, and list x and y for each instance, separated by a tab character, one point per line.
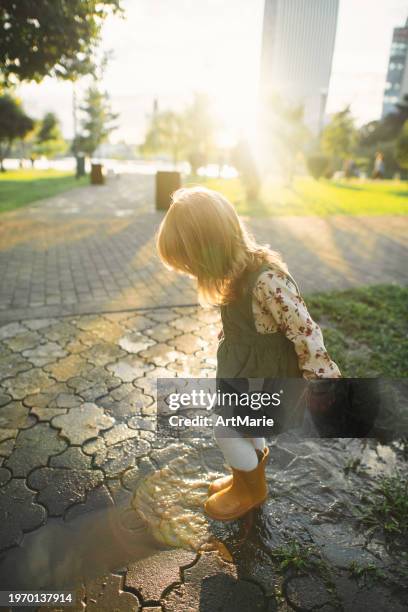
318	165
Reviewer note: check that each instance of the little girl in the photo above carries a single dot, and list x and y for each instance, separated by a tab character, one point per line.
267	330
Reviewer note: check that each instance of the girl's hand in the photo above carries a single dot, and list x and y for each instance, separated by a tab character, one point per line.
319	403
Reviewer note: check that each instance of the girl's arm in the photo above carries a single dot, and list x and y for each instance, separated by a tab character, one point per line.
277	295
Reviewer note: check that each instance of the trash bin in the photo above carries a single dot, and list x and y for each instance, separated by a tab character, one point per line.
97	177
166	184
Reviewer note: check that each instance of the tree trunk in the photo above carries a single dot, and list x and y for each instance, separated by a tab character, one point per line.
4	151
175	157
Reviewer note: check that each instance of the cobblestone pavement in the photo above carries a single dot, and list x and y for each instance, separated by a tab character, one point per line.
92	250
77	413
76	426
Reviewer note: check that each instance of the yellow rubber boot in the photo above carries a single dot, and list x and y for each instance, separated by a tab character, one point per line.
247	491
219	484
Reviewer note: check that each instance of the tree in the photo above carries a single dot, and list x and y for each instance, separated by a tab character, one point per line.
48	139
14	123
401	148
98	120
318	165
385	129
200	128
339	137
167	134
243	160
287	134
50	37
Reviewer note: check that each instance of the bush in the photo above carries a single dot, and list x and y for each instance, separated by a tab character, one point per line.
401	147
318	165
243	160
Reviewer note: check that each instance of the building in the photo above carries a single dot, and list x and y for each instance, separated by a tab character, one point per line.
397	74
297	52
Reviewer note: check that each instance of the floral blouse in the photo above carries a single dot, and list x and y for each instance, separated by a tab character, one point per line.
278	306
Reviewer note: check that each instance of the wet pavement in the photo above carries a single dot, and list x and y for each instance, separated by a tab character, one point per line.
77	442
81	466
91	250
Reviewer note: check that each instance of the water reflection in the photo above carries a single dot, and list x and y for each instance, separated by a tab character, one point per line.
315	485
62	554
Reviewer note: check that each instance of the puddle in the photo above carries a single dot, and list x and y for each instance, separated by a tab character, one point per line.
309	491
171	500
63	554
308	480
135	342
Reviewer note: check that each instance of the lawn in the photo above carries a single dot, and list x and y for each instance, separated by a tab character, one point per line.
21	187
310	197
365	329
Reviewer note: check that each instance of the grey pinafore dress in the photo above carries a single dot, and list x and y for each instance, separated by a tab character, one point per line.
245	353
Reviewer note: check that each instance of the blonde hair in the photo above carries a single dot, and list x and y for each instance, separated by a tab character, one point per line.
202	236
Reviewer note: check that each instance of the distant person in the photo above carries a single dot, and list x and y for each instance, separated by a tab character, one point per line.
379	167
267	329
350	168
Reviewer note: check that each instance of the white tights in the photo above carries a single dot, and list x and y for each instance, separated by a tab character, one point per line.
239	452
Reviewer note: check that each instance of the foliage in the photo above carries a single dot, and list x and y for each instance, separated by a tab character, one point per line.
317	165
189	133
48	138
301	559
365	574
294	556
98	120
387	506
50	38
352	465
153	142
200	127
167	134
388	137
401	149
339	137
322	198
364	329
14	123
286	133
21	187
385	129
242	159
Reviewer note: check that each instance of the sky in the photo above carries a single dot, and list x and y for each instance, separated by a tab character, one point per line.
168	49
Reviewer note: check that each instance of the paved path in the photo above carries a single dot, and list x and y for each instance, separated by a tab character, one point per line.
77	414
92	250
77	438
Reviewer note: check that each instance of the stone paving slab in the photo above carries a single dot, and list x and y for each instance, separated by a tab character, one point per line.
92	250
77	409
77	441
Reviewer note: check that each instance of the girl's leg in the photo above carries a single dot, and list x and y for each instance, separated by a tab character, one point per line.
238	452
259	443
247	487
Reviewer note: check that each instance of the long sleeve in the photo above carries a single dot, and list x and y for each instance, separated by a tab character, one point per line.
277	305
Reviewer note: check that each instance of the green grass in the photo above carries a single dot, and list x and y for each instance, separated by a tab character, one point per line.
321	198
365	329
297	557
365	575
21	187
387	507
